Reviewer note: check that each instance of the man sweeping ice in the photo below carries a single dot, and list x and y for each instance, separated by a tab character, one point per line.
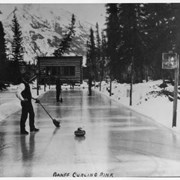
25	96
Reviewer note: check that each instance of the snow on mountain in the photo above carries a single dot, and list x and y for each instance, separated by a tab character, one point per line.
43	26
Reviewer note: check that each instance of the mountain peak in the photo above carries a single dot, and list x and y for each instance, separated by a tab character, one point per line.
43	28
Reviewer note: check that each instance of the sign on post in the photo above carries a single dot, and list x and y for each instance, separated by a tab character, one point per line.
169	60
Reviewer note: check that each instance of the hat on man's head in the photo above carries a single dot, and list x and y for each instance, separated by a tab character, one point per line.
26	76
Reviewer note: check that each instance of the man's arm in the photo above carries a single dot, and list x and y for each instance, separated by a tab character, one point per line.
36	99
19	91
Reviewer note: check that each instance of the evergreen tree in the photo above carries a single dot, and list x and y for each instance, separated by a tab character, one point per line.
113	37
138	34
89	68
103	55
2	53
98	52
91	59
157	36
17	49
3	70
175	27
132	45
66	41
92	54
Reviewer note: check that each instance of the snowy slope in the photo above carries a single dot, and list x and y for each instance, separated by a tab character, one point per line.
43	27
147	99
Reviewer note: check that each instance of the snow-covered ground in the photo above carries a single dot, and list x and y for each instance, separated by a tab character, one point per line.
147	99
10	104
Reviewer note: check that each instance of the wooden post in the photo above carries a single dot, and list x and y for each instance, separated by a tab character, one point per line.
49	74
90	85
44	85
131	84
100	85
175	93
110	89
37	87
38	71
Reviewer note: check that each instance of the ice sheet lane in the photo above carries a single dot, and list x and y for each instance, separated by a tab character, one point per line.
118	141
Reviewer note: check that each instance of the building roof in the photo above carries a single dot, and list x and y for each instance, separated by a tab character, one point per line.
62	57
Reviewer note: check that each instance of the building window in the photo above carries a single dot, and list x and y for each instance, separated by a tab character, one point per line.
48	71
72	70
54	71
60	70
69	70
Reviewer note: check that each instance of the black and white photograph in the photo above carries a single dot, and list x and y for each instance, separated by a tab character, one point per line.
90	89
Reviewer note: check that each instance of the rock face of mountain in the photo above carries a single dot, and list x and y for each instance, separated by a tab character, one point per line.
43	28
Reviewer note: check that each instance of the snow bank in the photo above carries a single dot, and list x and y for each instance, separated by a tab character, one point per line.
9	108
13	106
146	99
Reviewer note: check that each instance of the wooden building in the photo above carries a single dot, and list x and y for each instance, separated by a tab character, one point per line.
67	68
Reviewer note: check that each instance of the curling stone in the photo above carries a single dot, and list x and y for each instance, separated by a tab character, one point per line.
79	132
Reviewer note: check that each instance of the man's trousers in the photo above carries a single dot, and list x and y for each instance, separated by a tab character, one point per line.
27	108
